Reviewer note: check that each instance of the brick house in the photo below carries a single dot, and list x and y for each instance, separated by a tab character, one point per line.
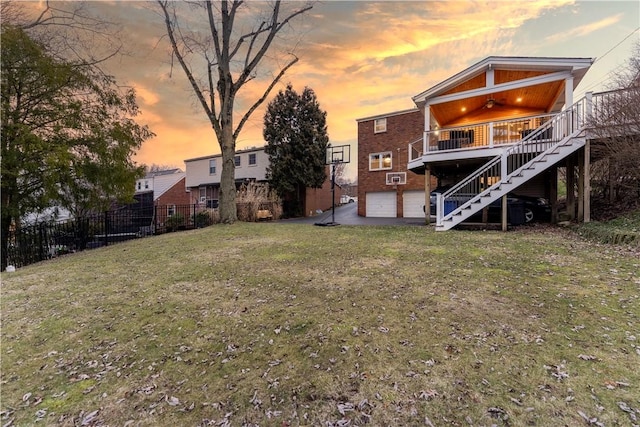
166	187
497	131
385	187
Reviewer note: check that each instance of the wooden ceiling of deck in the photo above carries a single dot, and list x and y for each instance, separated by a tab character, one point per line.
536	99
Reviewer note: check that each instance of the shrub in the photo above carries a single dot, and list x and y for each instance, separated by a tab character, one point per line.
206	217
175	221
257	196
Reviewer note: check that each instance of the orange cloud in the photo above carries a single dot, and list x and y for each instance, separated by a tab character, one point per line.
584	30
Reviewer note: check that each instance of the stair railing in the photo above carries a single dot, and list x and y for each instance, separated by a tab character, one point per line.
497	170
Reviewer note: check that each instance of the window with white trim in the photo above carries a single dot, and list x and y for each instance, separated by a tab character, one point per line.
380	161
171	210
380	125
236	160
252	159
212	167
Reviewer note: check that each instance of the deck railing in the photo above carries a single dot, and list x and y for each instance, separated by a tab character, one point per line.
479	135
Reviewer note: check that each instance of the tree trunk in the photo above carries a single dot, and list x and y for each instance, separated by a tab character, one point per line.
5	227
228	212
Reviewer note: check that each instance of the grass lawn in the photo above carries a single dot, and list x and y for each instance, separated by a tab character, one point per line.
289	324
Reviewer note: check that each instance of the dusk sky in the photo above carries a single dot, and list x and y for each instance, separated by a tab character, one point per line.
367	58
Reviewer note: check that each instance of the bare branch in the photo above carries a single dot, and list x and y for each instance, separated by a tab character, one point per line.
263	97
187	71
274	28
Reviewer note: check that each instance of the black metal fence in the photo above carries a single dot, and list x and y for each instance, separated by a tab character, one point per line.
46	240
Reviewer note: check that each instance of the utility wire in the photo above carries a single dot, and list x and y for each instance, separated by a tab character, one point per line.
605	54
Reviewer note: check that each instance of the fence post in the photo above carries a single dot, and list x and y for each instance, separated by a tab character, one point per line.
41	242
106	228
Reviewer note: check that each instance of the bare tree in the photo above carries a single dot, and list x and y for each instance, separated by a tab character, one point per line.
229	54
69	30
616	133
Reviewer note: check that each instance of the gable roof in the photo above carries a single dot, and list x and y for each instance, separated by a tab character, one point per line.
163	172
577	66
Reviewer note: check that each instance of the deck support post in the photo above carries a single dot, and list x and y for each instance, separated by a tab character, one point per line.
504	213
571	198
553	193
580	216
587	181
427	195
584	183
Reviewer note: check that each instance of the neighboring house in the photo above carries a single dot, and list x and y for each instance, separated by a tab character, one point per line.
167	187
203	179
204	173
504	124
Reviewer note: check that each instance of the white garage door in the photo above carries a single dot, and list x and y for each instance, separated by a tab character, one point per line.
382	204
412	203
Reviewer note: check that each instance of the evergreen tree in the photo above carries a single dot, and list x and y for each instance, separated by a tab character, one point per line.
295	128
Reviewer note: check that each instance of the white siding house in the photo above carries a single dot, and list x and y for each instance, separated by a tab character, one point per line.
159	182
203	173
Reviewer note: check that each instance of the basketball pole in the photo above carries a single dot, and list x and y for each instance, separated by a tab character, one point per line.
333	192
334	156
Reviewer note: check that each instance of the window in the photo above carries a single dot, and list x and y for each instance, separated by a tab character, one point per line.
139	185
252	159
146	185
380	125
171	210
212	167
380	161
236	160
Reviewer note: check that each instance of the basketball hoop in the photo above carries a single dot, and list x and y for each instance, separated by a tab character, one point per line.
335	155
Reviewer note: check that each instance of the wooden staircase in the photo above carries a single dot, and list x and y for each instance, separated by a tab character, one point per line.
552	142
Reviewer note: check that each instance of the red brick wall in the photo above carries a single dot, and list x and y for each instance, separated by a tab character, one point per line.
401	130
320	198
176	195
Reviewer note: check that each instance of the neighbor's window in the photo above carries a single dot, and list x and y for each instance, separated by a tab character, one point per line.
139	185
146	185
171	210
236	160
252	159
380	125
380	161
212	167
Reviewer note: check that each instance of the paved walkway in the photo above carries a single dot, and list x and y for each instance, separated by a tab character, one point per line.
348	215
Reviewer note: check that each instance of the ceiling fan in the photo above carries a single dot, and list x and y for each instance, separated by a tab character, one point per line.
491	102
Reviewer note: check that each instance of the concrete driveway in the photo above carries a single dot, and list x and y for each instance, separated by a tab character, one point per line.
347	214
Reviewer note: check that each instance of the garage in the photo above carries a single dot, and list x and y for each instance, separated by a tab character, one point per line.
412	204
381	204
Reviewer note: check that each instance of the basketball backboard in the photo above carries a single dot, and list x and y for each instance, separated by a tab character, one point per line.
338	154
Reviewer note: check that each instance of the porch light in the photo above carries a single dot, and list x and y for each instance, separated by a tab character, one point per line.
519	99
463	109
490	103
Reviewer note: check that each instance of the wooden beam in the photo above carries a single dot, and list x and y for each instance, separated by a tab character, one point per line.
427	195
571	182
553	193
504	213
587	181
581	185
